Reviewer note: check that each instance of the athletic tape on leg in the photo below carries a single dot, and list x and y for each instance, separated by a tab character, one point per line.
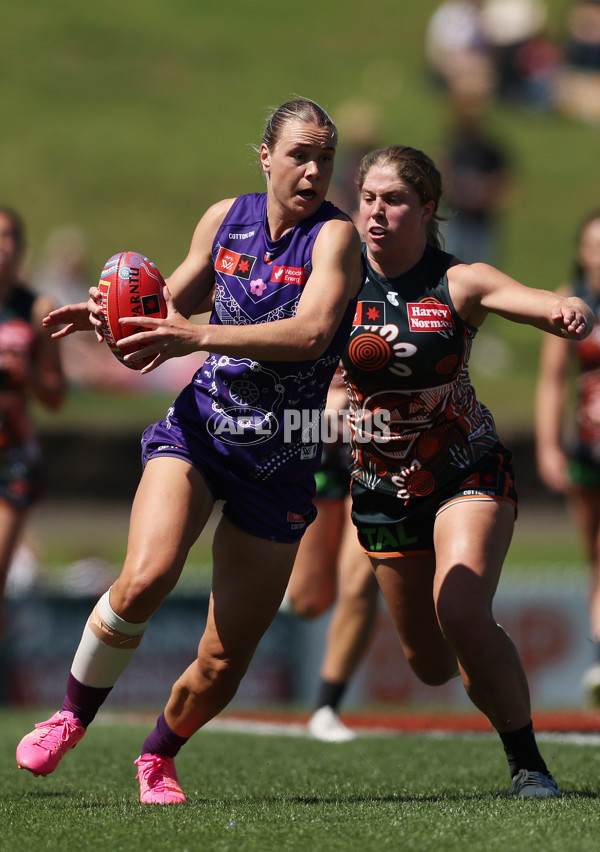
107	644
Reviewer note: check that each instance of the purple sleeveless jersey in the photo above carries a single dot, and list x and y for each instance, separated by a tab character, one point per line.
259	419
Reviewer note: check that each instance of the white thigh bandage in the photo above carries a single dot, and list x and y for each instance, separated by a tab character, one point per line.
107	644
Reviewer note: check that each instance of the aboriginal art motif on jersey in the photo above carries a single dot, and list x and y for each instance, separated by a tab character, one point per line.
263	416
415	421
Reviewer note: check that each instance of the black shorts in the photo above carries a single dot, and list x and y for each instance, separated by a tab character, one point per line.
388	527
333	476
20	476
584	467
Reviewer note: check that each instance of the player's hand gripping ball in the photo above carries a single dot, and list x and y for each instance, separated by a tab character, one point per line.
131	286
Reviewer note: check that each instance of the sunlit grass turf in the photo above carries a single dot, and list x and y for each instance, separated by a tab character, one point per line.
249	792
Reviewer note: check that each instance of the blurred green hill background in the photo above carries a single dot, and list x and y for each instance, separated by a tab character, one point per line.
129	119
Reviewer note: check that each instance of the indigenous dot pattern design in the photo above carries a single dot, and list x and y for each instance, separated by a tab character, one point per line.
415	421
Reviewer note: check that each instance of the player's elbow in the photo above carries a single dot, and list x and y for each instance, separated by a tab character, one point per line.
315	342
318	346
310	350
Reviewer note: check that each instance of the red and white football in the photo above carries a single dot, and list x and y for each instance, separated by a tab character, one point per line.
131	286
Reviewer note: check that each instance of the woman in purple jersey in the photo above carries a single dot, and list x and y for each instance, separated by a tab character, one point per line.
432	486
285	267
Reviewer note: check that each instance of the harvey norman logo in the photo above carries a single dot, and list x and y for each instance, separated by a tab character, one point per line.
429	316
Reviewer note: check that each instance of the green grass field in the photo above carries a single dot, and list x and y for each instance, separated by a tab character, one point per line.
253	793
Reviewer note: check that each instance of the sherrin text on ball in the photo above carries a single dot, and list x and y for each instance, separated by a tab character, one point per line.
131	286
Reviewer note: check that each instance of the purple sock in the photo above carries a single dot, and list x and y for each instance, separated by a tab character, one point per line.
84	701
163	740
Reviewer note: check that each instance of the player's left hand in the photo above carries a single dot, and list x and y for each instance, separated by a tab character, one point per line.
573	318
171	337
75	317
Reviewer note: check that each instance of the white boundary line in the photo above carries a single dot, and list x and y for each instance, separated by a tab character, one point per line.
295	729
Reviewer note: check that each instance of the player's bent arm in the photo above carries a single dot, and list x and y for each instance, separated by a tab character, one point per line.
335	277
550	397
191	283
481	289
551	391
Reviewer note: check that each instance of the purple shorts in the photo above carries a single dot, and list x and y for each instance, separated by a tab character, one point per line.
274	510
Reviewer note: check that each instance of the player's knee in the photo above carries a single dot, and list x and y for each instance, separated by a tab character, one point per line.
361	585
434	672
467	630
459	620
214	668
220	672
309	606
140	593
360	598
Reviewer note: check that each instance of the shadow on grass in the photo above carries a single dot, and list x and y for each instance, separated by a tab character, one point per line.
91	799
386	800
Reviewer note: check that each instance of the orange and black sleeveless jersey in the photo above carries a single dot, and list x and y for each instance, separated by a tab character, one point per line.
416	424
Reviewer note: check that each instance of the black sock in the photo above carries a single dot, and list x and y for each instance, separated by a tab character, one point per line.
330	693
522	751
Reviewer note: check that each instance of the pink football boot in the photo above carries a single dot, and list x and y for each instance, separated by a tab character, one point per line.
42	750
159	784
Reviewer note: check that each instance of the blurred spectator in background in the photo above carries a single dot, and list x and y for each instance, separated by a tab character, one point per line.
361	129
578	87
573	466
63	275
456	40
498	48
63	270
477	172
512	27
30	366
583	39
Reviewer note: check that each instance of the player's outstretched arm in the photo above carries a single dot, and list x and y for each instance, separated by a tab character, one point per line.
478	289
334	279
